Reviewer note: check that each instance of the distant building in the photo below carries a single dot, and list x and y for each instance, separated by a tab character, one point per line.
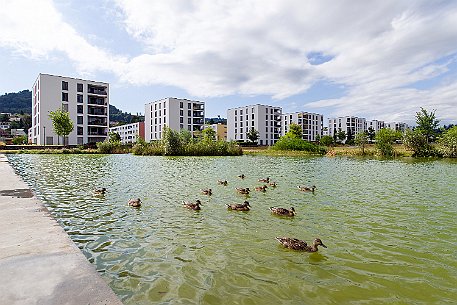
17	132
216	120
263	118
175	113
221	131
375	125
86	101
4	125
129	132
311	124
349	124
398	126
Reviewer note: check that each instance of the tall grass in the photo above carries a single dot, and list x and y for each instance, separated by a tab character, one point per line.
291	143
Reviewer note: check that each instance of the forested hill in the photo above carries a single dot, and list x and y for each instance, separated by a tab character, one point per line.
21	102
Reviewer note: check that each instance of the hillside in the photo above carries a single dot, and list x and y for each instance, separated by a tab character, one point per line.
21	102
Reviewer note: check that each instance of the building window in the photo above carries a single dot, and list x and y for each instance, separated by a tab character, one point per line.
181	126
236	125
80	120
64	85
189	112
241	112
181	120
64	97
189	121
65	107
181	105
79	87
235	112
80	131
79	98
164	111
181	112
189	105
79	109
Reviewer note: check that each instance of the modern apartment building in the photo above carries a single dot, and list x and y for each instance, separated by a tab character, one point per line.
221	131
86	101
311	124
175	113
129	132
398	126
263	118
375	125
349	124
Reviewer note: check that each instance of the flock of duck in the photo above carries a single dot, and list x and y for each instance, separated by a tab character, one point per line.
291	243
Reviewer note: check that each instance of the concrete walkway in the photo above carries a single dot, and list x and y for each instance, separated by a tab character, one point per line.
39	264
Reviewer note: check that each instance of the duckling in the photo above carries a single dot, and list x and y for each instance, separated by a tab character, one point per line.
273	184
244	191
267	180
208	192
222	182
261	188
192	206
300	245
242	176
239	207
307	189
101	191
136	203
282	211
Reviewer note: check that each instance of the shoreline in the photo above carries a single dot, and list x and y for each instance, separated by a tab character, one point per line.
39	263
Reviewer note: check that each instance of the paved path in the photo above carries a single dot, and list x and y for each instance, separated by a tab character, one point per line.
39	264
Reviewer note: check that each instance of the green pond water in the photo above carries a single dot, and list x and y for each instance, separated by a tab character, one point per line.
390	227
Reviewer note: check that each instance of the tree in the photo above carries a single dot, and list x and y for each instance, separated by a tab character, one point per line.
427	123
447	143
209	134
171	142
361	139
114	137
384	140
371	134
295	131
417	142
253	135
326	140
61	123
349	137
341	135
20	140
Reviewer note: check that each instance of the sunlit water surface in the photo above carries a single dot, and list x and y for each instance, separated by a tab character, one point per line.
390	227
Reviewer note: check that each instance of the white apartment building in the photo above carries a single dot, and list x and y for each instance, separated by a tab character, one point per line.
375	125
348	124
129	133
86	101
398	126
263	118
175	113
221	131
311	124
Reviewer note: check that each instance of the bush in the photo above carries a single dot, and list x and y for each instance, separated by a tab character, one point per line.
19	140
384	140
447	143
107	147
417	142
326	140
292	143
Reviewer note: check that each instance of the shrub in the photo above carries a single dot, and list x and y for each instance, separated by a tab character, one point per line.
384	140
292	143
447	143
326	140
417	142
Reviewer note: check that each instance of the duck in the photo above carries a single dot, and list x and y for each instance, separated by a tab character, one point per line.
273	184
283	211
222	182
136	203
242	176
244	191
239	207
261	188
307	189
192	206
300	245
267	180
101	191
208	192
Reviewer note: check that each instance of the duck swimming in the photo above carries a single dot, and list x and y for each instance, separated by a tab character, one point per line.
101	191
208	192
273	184
222	182
242	176
244	191
239	207
267	180
261	188
283	211
136	203
300	245
307	189
192	206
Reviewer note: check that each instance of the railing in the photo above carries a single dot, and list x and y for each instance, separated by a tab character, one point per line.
93	111
97	91
97	133
198	113
97	122
98	101
198	107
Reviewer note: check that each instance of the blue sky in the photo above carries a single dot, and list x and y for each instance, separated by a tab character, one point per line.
375	59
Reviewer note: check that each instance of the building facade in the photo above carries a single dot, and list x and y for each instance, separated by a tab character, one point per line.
398	126
221	131
263	118
351	125
310	123
175	113
129	133
375	125
87	103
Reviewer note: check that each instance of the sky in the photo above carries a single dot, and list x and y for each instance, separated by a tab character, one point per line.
379	59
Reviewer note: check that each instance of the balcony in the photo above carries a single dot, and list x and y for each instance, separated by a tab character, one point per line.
198	114
97	101
97	122
96	90
198	107
97	131
198	121
96	111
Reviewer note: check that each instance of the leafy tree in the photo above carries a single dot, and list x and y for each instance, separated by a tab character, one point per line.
341	135
171	142
349	137
114	137
185	136
4	117
295	131
327	140
20	140
384	140
371	134
209	134
417	142
427	123
447	143
61	123
361	139
253	135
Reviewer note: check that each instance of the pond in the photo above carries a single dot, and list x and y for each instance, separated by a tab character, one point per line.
389	226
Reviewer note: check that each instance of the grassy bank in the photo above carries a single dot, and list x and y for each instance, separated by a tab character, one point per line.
50	151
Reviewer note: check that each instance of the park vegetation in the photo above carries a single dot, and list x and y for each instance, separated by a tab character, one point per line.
292	140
